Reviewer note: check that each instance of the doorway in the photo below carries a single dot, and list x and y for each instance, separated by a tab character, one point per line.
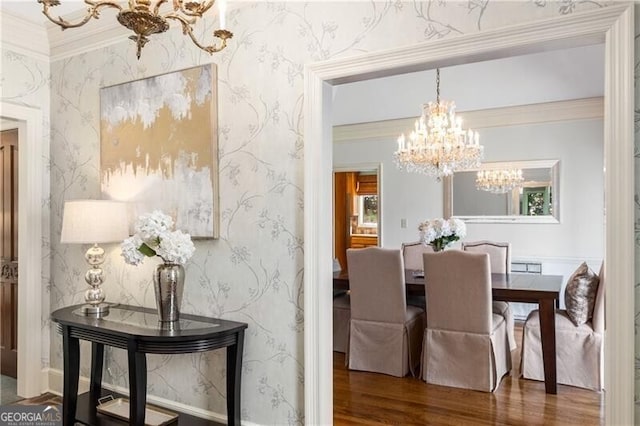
615	26
357	209
29	122
9	264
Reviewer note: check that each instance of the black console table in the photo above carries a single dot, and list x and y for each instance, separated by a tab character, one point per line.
138	331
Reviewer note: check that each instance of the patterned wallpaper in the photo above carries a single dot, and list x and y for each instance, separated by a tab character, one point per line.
254	272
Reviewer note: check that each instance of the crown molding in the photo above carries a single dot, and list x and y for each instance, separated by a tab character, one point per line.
23	36
577	109
48	42
95	34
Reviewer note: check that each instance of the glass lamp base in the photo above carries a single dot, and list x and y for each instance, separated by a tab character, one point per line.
99	310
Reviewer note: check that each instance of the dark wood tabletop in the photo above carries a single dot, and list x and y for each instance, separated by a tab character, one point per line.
529	288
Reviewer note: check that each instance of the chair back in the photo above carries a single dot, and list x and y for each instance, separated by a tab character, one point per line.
598	306
458	290
412	254
376	284
499	254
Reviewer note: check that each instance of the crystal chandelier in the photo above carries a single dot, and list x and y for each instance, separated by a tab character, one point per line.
438	145
145	19
499	181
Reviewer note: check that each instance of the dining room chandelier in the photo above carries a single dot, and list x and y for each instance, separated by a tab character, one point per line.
144	18
438	145
499	181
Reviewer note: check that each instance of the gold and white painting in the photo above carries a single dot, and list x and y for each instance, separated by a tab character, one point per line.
158	147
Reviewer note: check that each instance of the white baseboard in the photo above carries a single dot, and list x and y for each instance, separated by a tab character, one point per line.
44	382
54	380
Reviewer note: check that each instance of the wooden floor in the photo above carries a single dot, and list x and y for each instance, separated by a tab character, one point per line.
44	399
370	398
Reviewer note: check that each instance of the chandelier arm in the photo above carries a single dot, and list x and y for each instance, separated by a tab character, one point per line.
194	9
438	86
223	35
143	18
93	11
156	8
184	20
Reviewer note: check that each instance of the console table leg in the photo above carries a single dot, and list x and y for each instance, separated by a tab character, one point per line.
234	373
137	386
95	387
71	347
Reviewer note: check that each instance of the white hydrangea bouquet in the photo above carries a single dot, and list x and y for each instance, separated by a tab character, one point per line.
154	237
440	233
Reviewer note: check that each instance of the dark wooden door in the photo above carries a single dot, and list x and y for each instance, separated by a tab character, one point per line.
9	252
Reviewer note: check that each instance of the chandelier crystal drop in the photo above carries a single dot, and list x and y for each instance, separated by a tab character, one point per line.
499	181
144	18
438	146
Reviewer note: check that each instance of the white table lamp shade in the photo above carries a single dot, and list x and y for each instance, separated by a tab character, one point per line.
94	221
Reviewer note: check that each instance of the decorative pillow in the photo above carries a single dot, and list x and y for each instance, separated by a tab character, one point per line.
580	294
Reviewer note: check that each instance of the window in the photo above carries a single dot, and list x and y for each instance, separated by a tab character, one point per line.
536	201
368	211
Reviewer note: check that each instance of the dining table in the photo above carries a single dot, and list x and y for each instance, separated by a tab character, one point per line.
543	290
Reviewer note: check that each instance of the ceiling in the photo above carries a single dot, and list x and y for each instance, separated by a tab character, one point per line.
543	77
31	10
520	80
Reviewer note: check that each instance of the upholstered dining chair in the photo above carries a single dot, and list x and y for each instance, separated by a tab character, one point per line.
579	349
499	254
412	256
465	344
500	258
385	334
341	316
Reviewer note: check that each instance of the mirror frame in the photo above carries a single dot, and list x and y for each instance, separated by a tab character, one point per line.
554	165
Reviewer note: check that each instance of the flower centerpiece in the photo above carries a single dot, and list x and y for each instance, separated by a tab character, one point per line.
440	233
154	236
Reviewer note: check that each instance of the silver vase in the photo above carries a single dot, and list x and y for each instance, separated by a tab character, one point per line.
168	283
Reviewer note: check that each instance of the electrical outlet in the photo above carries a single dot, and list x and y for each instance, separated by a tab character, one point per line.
403	223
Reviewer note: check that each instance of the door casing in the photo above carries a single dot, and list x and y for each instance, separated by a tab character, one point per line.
613	25
30	205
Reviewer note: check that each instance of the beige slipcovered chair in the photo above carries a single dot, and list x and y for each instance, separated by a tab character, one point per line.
500	258
465	344
412	254
341	318
499	254
385	335
579	350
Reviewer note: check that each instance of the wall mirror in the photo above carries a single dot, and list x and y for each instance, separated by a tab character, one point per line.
536	199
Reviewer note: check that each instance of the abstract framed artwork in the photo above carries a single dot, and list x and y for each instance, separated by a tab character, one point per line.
159	147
